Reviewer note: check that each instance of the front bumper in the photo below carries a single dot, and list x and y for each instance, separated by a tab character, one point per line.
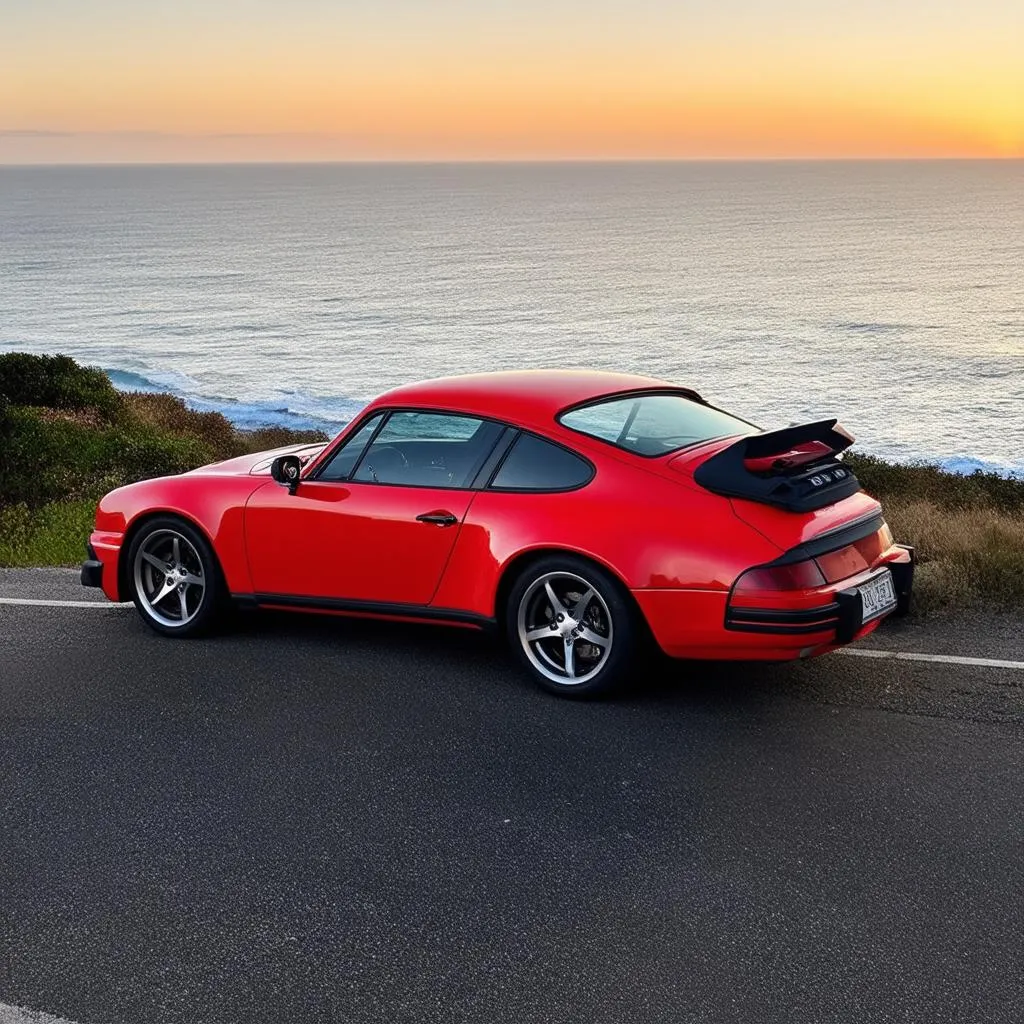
100	569
92	569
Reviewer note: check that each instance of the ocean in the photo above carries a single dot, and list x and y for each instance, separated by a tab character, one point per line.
889	294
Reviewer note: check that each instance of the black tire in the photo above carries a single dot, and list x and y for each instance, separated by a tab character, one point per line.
196	561
610	614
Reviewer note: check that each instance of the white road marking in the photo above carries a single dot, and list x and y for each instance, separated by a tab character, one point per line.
941	659
21	1015
39	603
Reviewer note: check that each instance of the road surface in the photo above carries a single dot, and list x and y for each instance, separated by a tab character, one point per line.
309	819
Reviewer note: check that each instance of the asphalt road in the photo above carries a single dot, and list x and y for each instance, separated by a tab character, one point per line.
327	820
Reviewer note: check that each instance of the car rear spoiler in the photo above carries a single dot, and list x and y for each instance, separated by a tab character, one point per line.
794	468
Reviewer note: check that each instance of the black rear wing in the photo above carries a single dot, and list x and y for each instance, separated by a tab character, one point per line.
794	468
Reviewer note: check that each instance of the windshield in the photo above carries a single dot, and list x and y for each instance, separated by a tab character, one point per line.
652	425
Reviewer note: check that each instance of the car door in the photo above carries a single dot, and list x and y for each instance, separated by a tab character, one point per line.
377	523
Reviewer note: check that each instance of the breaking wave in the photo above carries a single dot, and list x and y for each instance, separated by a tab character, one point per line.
285	409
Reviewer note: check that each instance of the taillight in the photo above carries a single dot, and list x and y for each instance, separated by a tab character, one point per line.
830	567
774	578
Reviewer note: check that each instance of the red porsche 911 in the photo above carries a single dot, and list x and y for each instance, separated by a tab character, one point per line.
582	513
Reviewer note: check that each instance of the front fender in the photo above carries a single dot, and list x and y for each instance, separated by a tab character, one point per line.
213	504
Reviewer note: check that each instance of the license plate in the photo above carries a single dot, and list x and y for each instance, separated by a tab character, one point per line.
877	596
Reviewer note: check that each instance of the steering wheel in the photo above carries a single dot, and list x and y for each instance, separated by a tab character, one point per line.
384	458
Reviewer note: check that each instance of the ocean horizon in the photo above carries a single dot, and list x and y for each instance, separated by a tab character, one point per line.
887	293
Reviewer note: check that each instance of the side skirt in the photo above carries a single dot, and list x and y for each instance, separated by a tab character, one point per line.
388	610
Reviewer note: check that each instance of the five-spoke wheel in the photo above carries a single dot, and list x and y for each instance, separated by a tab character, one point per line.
565	627
572	625
173	576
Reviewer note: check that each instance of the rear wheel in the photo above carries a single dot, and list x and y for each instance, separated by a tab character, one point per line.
174	576
572	625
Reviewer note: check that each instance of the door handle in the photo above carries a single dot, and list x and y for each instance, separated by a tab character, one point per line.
438	518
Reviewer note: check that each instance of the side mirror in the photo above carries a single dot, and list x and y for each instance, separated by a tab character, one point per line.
286	470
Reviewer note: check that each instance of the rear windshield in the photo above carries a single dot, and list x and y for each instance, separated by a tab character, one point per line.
652	425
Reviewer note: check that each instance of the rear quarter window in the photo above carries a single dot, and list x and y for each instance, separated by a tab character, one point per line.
653	424
534	464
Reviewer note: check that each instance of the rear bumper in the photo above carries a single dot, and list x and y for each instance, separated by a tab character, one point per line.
844	615
903	576
703	625
787	621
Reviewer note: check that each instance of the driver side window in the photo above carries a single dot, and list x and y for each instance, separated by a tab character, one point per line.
340	467
428	449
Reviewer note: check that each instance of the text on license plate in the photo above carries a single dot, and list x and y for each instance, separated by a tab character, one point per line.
877	596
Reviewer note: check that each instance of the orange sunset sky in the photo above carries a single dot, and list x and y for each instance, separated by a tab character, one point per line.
116	81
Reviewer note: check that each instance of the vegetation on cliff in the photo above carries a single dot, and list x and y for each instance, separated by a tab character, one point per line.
67	437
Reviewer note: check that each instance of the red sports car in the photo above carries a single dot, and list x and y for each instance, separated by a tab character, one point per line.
579	512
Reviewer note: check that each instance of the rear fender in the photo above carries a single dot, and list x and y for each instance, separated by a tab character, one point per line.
670	537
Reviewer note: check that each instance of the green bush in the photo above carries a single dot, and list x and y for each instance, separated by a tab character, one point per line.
57	382
52	535
67	435
49	458
141	453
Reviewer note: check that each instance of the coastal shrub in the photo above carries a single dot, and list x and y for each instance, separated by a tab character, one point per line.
57	382
38	464
924	482
170	414
140	454
277	437
47	459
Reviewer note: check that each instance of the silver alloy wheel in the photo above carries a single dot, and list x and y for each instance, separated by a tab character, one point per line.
169	578
565	628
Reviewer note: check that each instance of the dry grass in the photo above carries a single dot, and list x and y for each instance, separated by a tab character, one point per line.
264	438
921	481
969	557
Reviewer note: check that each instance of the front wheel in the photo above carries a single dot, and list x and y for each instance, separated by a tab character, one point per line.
572	625
175	579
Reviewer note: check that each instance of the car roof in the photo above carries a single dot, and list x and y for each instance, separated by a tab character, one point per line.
522	397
